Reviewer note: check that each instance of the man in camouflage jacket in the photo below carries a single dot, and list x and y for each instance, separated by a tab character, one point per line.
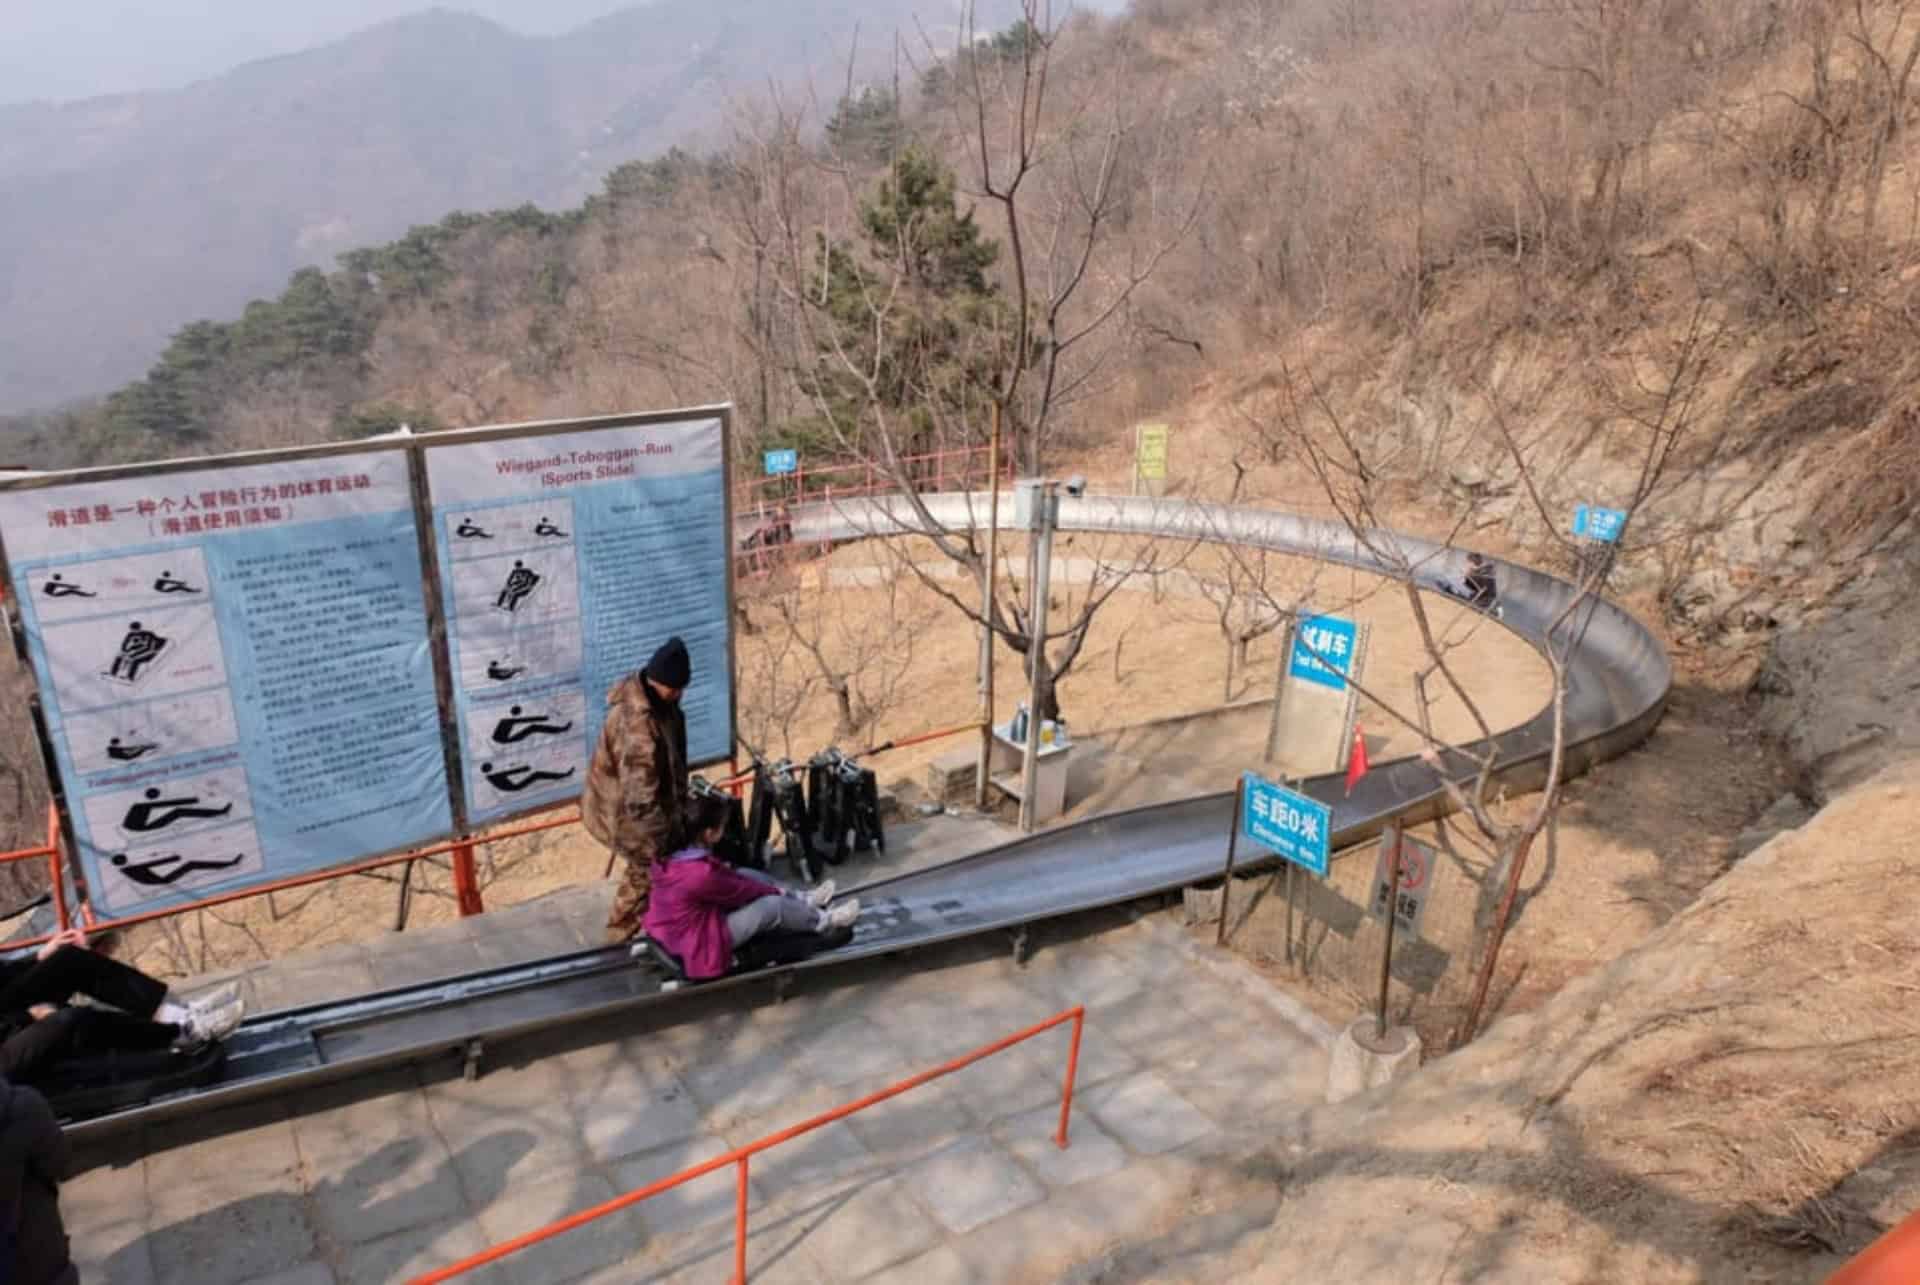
636	790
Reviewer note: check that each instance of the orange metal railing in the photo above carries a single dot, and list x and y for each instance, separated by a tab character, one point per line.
1894	1259
741	1157
466	882
56	885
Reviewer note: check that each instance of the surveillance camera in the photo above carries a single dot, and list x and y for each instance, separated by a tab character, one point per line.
1075	485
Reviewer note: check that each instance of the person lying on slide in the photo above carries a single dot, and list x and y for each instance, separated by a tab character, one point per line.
40	1026
702	909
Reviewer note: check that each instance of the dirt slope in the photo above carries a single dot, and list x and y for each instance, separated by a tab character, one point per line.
1731	1100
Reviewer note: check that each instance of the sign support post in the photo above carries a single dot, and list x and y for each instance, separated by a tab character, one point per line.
1233	843
1037	590
1393	914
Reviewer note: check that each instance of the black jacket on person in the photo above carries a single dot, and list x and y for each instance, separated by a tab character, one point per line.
34	1159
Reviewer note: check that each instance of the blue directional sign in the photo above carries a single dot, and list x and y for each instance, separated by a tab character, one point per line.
1287	824
779	462
1323	651
1602	526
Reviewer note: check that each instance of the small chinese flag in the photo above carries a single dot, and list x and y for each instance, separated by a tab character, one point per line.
1357	761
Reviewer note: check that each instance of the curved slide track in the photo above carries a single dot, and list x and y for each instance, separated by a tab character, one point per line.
1617	683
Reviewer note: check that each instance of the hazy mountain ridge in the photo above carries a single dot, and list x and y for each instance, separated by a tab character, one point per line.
122	218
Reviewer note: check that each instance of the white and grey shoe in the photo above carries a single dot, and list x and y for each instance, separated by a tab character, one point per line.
821	897
210	1020
841	916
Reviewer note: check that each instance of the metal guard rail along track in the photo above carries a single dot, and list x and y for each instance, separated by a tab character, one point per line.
1617	683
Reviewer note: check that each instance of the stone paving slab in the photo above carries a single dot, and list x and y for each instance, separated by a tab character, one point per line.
959	1180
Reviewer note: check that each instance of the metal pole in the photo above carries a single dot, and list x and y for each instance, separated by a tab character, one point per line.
1289	912
1037	652
1233	842
986	614
1393	913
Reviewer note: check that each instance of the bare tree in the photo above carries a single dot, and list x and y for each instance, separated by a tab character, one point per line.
1658	416
915	344
858	649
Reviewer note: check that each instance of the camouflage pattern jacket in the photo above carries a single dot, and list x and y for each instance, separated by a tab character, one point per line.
637	783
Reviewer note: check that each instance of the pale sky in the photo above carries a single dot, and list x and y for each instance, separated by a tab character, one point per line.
62	49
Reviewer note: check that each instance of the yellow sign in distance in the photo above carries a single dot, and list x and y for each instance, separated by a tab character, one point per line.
1150	451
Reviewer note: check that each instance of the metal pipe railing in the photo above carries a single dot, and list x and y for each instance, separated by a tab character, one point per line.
741	1157
461	849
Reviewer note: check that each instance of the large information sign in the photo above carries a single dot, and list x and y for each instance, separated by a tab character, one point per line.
566	558
235	667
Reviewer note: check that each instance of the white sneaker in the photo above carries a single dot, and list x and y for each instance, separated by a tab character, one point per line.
219	997
822	896
841	916
208	1023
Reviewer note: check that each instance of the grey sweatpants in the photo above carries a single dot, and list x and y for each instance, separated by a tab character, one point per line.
780	908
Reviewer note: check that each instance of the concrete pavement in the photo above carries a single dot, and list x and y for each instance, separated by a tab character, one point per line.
958	1180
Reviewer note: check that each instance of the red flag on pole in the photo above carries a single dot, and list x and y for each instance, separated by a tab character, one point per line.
1357	761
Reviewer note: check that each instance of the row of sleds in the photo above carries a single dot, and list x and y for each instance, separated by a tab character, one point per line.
827	810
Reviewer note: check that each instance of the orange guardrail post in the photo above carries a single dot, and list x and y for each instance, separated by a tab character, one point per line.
1073	1069
741	1156
1894	1259
466	882
740	1225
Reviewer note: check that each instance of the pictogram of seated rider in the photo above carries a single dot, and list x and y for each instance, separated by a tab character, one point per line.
520	582
124	753
500	671
548	529
164	872
471	530
156	813
137	650
168	583
512	780
58	586
516	728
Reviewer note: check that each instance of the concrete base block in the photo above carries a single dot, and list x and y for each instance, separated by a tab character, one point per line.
1358	1061
1202	905
951	777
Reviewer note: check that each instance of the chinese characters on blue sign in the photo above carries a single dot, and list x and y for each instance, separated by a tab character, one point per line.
1323	651
1600	525
1290	825
779	462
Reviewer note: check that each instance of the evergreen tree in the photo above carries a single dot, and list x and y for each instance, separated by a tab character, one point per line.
913	328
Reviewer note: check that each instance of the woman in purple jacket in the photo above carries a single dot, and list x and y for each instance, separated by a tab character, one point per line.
701	909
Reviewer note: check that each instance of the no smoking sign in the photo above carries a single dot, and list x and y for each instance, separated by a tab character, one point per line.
1416	878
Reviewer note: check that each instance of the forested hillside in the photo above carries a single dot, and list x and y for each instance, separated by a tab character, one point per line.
1429	224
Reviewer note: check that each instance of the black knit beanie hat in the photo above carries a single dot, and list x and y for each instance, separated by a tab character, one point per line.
670	666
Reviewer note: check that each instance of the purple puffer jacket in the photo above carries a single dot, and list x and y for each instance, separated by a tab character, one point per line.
693	892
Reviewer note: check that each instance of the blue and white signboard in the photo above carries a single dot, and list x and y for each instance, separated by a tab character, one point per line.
566	559
1603	526
1323	651
1286	823
235	669
779	462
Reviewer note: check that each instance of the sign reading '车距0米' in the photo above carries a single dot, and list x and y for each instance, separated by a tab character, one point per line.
235	668
565	559
1285	822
